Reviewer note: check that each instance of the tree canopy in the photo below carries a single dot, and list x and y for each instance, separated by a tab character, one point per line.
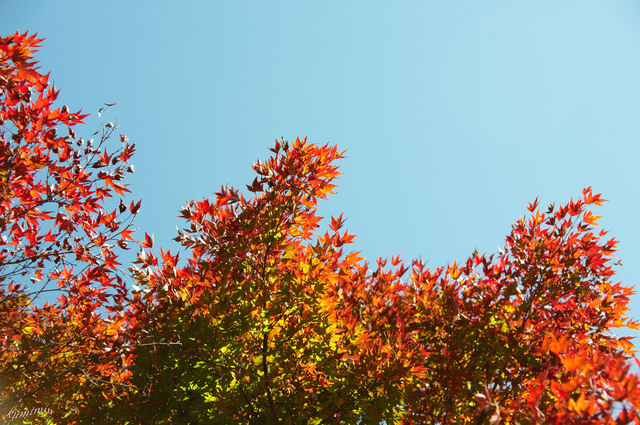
264	318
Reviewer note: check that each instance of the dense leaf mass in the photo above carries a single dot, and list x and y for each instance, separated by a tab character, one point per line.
262	318
58	238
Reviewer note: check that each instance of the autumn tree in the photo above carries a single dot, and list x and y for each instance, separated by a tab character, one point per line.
263	318
61	294
270	321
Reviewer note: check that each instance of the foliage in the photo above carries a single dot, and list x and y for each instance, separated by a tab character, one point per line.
278	324
57	236
269	320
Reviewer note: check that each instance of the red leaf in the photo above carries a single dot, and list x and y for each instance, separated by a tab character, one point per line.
148	241
336	223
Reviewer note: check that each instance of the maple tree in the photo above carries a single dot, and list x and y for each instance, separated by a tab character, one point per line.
264	318
270	322
58	238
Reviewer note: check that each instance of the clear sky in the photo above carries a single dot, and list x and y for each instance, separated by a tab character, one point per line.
454	114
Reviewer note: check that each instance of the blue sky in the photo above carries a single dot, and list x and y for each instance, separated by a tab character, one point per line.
454	114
